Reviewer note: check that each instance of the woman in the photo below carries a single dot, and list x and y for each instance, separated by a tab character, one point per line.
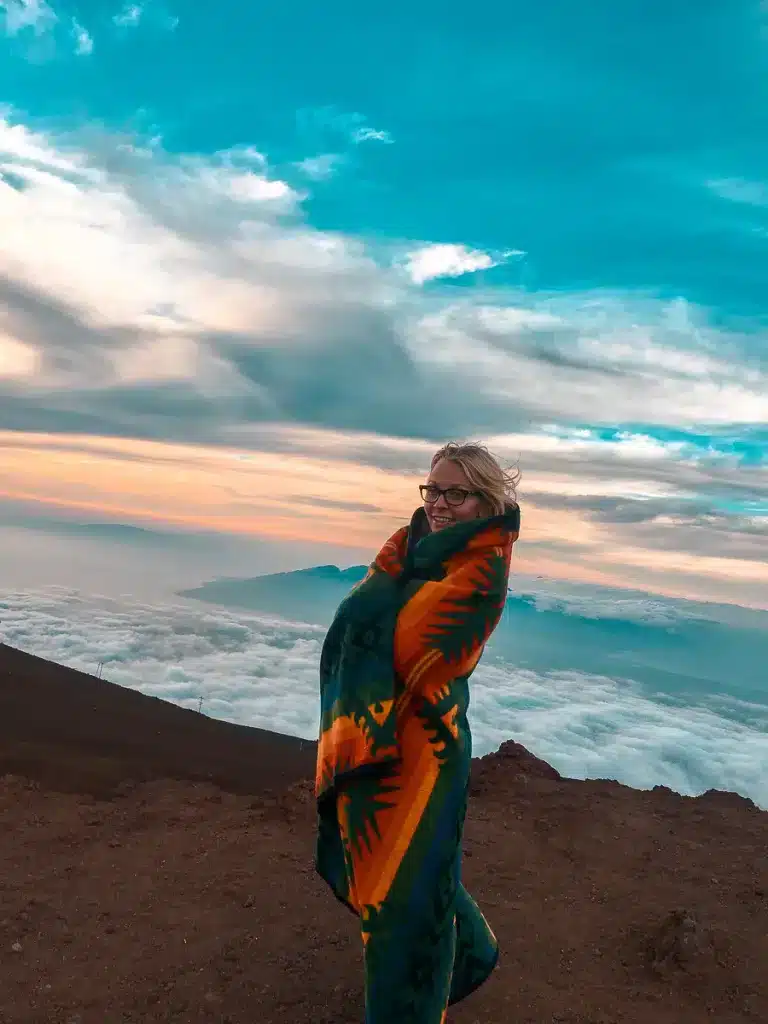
395	746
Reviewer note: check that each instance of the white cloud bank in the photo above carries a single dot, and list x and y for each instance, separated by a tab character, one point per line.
264	673
178	252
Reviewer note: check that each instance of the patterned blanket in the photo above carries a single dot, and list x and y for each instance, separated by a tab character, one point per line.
394	760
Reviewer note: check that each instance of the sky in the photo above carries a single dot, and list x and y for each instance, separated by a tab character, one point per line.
255	268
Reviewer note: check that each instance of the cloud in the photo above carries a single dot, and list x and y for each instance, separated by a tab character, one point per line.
132	15
739	190
20	15
263	672
83	41
185	300
37	18
575	499
433	261
17	360
210	258
129	16
320	168
204	488
322	124
365	134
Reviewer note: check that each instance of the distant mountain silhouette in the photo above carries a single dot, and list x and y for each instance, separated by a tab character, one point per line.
120	532
307	595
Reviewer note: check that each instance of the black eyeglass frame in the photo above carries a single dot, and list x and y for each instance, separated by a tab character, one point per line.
444	492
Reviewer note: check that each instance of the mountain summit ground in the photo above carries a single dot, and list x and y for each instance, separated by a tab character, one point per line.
156	866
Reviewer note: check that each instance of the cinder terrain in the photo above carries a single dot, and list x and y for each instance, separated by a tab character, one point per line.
156	866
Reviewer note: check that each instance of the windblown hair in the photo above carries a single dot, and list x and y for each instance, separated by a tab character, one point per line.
484	473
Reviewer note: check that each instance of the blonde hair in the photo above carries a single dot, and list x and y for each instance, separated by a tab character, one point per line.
484	473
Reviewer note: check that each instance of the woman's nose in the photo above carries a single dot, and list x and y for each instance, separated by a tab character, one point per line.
441	502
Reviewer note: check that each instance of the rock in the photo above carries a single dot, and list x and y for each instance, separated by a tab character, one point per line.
675	940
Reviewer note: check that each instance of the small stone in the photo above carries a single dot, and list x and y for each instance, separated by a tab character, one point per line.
16	947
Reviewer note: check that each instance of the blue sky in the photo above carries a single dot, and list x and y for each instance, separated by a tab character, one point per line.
309	233
592	136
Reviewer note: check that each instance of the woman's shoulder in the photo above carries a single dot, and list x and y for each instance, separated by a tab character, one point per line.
512	512
391	557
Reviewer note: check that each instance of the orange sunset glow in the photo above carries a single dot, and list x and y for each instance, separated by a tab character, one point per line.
312	498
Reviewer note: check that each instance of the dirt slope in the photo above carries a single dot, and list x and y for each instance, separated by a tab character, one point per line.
155	865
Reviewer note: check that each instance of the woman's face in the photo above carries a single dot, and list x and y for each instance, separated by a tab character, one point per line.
450	477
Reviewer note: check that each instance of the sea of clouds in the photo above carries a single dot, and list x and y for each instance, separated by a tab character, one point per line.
262	671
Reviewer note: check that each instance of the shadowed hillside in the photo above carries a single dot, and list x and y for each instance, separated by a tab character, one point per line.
156	866
73	731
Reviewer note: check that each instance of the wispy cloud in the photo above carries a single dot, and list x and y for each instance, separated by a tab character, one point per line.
627	512
83	40
37	19
321	167
444	260
129	16
316	124
133	15
19	15
311	496
366	134
740	190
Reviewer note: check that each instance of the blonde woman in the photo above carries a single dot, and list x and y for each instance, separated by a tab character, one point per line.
395	745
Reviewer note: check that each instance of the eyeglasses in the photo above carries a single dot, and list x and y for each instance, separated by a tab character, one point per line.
454	496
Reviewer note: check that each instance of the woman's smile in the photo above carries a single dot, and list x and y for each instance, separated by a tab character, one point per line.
438	521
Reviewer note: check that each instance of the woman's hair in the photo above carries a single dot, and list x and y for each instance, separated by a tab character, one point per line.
484	473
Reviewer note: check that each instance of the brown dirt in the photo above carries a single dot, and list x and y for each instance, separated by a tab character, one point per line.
133	888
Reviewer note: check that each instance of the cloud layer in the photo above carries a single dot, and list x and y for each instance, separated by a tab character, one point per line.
264	672
204	280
